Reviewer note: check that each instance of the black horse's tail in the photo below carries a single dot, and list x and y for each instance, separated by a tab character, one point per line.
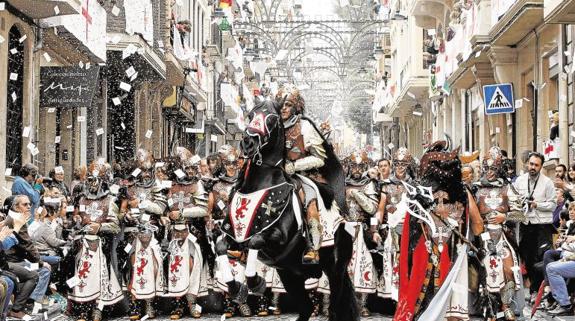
343	303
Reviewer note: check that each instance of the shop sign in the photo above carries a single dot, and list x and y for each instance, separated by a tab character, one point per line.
67	87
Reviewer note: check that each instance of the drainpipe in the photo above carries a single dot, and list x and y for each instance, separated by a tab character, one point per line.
563	107
536	88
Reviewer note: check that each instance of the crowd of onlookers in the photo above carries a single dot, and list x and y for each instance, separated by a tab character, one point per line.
33	237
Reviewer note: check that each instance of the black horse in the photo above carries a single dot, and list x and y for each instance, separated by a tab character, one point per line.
276	228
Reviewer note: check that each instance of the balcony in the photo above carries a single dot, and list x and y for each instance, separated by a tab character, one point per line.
559	11
415	89
427	12
516	21
145	57
214	48
39	9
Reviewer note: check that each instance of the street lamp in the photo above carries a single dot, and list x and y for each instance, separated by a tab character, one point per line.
219	16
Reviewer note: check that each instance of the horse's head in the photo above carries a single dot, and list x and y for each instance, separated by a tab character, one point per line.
264	138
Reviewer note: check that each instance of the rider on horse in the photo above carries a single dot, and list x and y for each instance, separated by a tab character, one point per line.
304	155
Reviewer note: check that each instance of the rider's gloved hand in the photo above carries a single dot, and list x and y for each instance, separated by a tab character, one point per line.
290	168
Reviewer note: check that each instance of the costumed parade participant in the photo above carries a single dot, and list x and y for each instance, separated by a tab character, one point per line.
146	273
441	213
218	202
362	200
184	270
392	190
188	202
150	194
305	155
502	272
94	284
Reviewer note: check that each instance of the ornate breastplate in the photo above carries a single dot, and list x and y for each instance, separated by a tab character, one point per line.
394	193
94	211
356	213
491	199
294	142
141	193
221	192
182	196
449	212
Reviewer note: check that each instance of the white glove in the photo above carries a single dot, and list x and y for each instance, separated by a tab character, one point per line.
290	168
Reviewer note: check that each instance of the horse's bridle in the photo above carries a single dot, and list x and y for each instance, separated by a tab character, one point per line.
262	130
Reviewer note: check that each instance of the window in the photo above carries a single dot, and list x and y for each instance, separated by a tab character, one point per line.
14	101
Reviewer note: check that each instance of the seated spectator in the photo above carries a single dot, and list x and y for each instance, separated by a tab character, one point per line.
24	185
560	264
57	176
9	228
25	262
43	230
563	201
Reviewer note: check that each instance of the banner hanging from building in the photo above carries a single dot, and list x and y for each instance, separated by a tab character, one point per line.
67	87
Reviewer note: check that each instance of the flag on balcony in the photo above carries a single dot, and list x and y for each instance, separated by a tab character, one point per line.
225	4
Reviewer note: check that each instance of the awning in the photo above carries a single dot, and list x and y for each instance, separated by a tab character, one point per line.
77	31
183	113
120	44
38	9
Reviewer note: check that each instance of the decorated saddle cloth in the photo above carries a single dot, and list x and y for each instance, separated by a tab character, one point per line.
253	213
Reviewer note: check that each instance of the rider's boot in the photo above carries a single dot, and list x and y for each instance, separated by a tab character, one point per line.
313	241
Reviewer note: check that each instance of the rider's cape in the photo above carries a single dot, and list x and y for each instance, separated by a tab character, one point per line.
332	172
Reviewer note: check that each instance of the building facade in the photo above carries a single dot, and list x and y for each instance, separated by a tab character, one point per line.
449	50
144	70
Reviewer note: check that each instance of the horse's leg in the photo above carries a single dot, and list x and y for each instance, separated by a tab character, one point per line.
295	287
237	292
256	283
334	261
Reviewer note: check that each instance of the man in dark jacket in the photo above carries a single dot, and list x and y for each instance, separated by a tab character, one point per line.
34	275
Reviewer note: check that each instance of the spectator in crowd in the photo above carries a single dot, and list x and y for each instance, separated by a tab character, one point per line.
563	201
214	163
24	185
560	264
560	172
205	168
384	168
8	239
571	174
536	233
79	179
43	230
18	256
57	176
